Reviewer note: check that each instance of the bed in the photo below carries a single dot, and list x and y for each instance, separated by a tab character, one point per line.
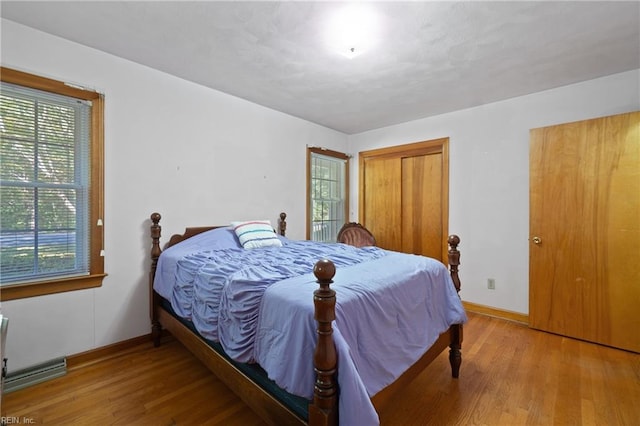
274	323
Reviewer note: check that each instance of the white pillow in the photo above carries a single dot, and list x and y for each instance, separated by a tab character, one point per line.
256	233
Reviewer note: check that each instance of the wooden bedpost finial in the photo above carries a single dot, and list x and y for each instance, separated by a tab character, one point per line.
155	237
324	270
453	241
282	225
155	218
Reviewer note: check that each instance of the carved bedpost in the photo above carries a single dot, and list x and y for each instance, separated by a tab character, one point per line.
282	225
156	328
454	260
324	410
455	355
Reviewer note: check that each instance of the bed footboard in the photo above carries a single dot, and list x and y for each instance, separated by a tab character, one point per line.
324	409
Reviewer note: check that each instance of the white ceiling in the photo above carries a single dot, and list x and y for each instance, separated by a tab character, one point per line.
431	57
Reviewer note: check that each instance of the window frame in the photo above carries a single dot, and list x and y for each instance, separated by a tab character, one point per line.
327	153
96	190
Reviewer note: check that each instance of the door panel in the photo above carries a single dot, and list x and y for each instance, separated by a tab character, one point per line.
585	208
382	201
422	205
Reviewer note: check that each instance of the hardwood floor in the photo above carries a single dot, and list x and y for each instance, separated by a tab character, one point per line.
511	375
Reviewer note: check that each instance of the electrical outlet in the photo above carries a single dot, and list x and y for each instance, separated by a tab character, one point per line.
491	283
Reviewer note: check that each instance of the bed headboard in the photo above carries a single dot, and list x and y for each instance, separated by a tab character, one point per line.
191	231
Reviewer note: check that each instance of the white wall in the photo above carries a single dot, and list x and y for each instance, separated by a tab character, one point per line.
197	156
489	175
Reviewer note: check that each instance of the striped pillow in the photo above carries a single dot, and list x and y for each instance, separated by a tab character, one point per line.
256	233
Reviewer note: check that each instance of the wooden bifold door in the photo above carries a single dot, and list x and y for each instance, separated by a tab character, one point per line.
404	197
584	259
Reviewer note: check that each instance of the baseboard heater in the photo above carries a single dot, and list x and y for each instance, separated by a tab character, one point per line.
37	374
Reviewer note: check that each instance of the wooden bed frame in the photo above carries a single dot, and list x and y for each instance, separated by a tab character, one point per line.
323	410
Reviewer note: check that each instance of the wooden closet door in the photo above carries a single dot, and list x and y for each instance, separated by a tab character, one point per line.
421	207
384	201
584	272
404	197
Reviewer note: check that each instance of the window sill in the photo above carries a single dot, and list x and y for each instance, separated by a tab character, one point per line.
22	291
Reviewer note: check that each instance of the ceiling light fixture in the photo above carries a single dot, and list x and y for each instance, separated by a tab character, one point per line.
352	30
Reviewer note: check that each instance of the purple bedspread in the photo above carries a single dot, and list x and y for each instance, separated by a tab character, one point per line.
389	311
259	305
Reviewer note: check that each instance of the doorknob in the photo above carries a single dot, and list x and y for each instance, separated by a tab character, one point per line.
536	240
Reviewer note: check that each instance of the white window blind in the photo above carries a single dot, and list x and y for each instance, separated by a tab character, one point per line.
328	196
44	184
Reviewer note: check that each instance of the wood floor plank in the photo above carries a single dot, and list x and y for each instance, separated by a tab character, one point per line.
511	375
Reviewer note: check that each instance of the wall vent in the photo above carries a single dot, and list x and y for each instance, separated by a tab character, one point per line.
36	374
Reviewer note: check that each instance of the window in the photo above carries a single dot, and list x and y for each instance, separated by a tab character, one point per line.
328	193
51	186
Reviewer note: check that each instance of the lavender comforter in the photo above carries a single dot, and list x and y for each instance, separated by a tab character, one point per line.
259	305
